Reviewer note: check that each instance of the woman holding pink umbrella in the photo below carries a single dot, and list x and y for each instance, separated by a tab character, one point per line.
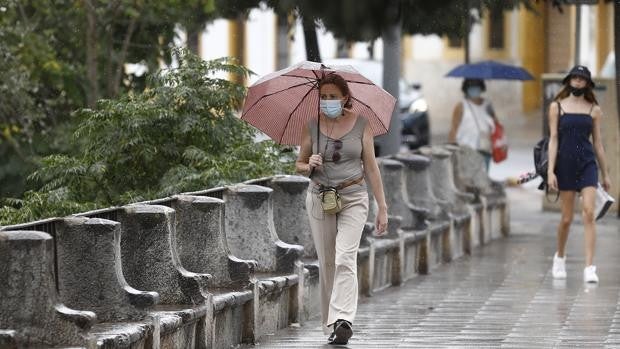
337	152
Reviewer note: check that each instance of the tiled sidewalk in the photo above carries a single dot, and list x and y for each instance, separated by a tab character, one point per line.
502	296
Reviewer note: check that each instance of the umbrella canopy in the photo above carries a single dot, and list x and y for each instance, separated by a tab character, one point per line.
281	103
489	70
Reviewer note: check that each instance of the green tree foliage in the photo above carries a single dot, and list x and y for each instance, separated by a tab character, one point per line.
354	20
180	134
37	91
62	55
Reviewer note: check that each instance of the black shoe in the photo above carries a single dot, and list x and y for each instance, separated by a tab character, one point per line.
342	332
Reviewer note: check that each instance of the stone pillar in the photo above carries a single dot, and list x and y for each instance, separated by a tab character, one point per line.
442	178
250	229
419	184
289	212
470	173
29	313
90	273
460	205
201	242
150	259
440	242
471	176
413	217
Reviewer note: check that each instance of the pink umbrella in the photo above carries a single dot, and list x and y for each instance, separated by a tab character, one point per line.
281	103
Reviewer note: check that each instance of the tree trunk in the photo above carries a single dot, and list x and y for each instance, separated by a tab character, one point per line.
310	38
467	31
120	64
109	61
390	143
371	49
193	41
282	42
342	48
466	47
92	91
617	59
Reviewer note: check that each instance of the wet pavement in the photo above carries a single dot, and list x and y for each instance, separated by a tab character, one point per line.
500	296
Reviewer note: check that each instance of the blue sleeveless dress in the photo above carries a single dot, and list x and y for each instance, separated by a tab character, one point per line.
576	166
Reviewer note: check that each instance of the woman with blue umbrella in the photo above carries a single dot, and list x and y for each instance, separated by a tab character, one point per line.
473	118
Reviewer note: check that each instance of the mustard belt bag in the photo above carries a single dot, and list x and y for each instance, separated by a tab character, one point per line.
330	200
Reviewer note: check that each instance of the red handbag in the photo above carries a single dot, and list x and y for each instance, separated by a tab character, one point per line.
499	143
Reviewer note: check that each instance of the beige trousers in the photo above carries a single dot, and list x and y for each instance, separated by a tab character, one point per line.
337	239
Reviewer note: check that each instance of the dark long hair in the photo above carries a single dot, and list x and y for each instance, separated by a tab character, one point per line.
340	82
565	92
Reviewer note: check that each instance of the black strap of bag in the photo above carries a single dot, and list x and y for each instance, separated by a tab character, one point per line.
318	135
541	164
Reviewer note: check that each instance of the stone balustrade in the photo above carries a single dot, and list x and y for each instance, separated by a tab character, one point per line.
289	210
90	277
470	175
292	226
460	206
30	314
151	262
203	248
419	190
407	228
150	259
412	217
250	232
223	266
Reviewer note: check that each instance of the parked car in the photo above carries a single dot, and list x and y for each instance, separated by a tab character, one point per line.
412	106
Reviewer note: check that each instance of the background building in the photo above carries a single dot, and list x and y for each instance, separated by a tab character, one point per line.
545	41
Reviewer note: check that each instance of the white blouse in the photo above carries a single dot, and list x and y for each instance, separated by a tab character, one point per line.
476	126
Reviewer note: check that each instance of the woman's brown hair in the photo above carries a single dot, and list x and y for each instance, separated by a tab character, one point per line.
565	92
341	83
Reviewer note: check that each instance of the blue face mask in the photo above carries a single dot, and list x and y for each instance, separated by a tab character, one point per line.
332	108
474	91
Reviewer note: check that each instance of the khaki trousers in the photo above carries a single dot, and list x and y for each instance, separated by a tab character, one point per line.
337	240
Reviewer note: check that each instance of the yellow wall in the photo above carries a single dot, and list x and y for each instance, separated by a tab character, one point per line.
532	51
496	54
603	32
453	53
560	36
236	43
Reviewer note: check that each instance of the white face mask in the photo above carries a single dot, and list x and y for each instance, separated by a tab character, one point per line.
332	108
474	91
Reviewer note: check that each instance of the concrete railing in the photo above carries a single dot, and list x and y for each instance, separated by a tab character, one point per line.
471	176
90	277
292	226
30	314
437	221
228	265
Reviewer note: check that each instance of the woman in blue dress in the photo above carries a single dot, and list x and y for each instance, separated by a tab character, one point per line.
574	162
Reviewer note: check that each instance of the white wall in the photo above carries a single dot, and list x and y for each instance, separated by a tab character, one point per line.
427	47
587	37
260	49
214	42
